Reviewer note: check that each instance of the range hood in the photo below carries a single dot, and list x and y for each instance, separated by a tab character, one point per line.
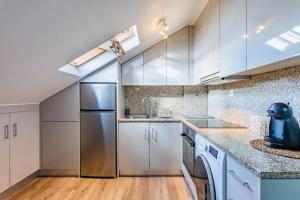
216	79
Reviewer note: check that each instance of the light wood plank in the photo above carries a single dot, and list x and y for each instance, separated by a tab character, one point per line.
124	188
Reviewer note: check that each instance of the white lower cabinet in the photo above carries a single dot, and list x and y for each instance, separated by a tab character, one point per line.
241	183
134	146
149	148
165	146
19	147
4	152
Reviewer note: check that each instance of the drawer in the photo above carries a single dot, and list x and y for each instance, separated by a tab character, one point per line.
241	183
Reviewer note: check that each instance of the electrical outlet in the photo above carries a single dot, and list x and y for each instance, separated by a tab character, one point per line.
231	93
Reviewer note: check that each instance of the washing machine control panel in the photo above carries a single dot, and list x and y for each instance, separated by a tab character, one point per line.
214	152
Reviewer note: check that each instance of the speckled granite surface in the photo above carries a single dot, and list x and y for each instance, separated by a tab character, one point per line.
251	99
235	142
179	99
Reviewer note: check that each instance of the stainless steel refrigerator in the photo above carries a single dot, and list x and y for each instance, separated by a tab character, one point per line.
98	130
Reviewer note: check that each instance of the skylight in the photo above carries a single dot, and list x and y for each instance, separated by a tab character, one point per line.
87	56
103	54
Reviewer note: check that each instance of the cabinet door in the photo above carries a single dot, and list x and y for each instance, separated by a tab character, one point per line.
60	145
200	57
213	37
4	152
201	50
207	45
273	28
165	146
155	70
241	183
133	146
24	145
132	71
232	36
178	58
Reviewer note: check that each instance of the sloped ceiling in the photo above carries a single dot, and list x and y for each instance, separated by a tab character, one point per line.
38	36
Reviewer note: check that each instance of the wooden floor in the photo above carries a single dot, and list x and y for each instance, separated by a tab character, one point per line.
125	188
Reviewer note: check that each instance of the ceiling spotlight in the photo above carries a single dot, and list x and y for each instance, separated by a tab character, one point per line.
162	27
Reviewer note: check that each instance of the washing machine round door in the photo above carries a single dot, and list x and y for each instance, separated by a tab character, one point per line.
203	179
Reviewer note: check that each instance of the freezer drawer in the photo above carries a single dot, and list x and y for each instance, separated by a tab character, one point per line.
97	96
98	144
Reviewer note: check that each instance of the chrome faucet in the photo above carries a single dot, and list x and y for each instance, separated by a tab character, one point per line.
146	102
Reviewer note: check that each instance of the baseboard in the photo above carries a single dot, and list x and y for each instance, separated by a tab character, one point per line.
150	173
60	172
17	187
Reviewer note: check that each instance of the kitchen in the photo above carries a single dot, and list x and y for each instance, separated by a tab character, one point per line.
152	104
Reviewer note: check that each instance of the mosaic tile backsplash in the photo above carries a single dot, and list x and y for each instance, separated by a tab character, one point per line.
250	100
179	100
246	106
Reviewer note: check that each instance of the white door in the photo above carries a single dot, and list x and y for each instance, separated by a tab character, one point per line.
232	36
155	69
4	152
165	146
24	145
133	146
273	28
132	71
178	58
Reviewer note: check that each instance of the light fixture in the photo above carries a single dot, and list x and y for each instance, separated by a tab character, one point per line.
260	28
162	27
117	48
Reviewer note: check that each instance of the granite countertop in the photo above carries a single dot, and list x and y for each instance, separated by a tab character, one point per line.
235	142
179	118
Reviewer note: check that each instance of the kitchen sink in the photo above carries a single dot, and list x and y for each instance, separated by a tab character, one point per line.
138	117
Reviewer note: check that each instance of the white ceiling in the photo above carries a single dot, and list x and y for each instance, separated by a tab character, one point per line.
37	37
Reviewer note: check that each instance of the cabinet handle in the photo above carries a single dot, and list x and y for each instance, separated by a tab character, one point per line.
243	183
5	132
15	130
154	135
146	134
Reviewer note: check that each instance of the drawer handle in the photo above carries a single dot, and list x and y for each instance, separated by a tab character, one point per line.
15	130
6	136
243	183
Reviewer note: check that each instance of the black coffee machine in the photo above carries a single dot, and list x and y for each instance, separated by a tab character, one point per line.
284	132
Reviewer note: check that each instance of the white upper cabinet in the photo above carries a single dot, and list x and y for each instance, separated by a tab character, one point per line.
207	42
132	71
169	62
232	36
155	69
273	31
4	152
178	58
24	145
213	37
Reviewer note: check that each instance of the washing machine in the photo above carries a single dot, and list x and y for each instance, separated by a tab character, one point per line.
209	170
